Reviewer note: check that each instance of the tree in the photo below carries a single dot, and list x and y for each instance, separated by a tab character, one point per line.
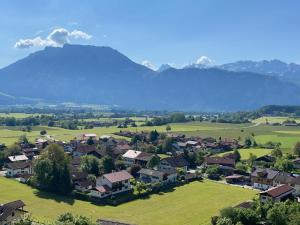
297	149
140	187
90	164
52	170
134	169
248	143
276	152
153	135
167	144
90	141
43	132
13	150
212	172
251	159
168	128
224	221
153	162
23	139
278	215
237	154
241	167
284	164
177	118
69	219
26	220
107	164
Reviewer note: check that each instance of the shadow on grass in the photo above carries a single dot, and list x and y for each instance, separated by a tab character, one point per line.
56	197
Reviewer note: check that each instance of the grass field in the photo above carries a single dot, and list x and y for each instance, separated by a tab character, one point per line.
274	119
245	153
17	115
191	204
288	136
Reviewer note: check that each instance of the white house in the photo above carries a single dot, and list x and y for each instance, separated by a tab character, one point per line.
111	184
155	176
18	168
130	156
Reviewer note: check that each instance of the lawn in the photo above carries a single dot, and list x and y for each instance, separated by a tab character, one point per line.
288	136
191	204
18	115
274	119
245	153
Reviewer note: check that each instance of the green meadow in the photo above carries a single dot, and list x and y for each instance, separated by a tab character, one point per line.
261	133
245	153
191	204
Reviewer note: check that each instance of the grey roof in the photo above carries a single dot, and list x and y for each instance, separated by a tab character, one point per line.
150	172
18	165
8	208
265	173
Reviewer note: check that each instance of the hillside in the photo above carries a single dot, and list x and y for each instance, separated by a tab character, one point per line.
102	75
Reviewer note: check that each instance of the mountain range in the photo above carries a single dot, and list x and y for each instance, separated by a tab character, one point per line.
101	75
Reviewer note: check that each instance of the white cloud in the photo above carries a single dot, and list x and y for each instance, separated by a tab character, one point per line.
148	64
80	34
205	61
57	38
27	43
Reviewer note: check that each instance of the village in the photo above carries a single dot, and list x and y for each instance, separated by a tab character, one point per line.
150	162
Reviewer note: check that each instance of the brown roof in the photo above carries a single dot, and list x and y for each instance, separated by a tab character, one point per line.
145	156
102	188
279	190
118	176
18	165
177	161
8	208
85	149
219	161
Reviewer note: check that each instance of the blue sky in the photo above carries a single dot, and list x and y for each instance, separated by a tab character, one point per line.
160	31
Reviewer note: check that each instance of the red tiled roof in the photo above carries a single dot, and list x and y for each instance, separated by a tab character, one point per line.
102	188
279	190
118	176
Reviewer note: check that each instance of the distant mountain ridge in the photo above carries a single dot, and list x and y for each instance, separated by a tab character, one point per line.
102	75
277	68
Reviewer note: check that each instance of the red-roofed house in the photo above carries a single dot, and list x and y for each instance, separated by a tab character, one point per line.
277	194
111	184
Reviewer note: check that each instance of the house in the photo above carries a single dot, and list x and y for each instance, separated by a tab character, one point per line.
173	162
220	161
85	149
263	178
236	179
30	153
155	176
277	194
143	158
83	185
287	178
111	222
111	184
18	168
85	137
11	212
129	157
17	158
296	163
264	159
